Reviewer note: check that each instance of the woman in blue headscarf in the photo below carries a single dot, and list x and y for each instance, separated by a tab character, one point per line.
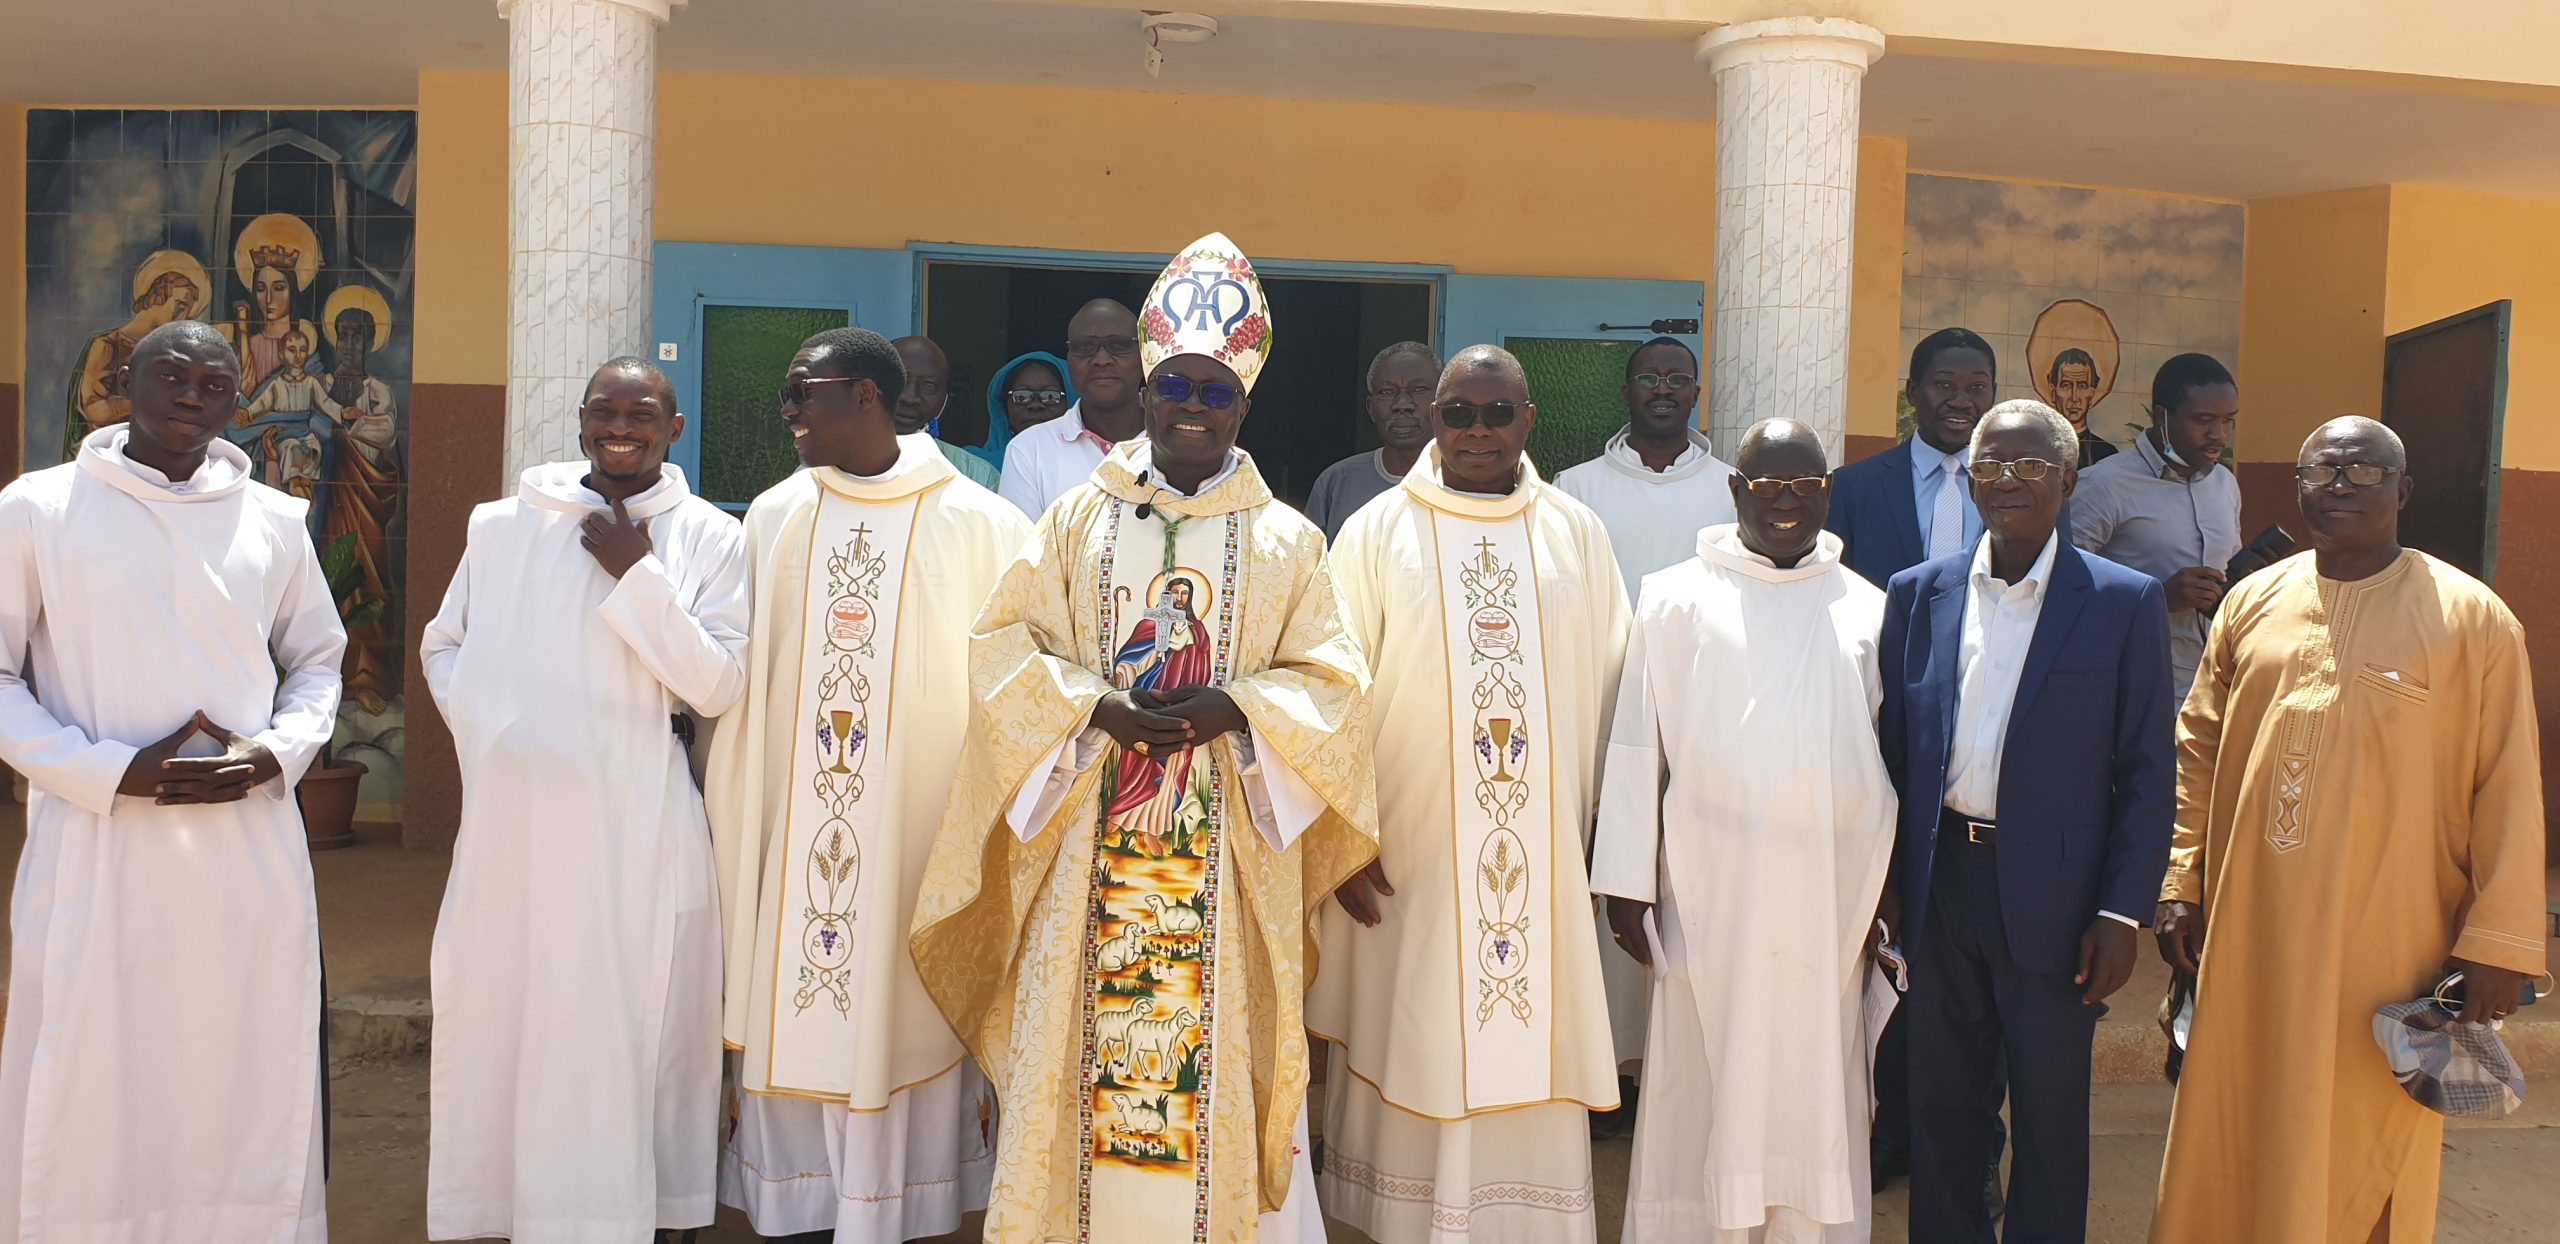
1029	390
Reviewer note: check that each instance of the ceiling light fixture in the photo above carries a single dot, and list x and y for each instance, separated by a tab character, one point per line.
1161	27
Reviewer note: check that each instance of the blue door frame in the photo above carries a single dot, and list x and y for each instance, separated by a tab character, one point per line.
884	290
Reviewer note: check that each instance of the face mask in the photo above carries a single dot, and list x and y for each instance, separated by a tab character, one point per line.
2168	450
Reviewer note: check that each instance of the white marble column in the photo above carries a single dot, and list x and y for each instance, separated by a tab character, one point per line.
581	131
1786	210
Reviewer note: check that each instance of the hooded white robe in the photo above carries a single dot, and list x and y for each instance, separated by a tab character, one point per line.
160	1076
576	971
1745	797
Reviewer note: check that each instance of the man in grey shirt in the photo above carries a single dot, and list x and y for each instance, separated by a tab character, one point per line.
1401	381
2161	507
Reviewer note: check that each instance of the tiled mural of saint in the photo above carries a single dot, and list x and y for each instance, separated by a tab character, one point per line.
292	233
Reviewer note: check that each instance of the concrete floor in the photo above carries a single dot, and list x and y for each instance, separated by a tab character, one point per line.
2498	1179
378	906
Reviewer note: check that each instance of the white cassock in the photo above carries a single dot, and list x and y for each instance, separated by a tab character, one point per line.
1653	519
160	1073
1746	799
860	1112
575	1079
1471	1020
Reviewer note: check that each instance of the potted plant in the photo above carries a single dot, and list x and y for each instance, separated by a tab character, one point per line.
327	794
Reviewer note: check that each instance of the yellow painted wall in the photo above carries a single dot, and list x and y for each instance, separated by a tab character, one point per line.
2451	251
751	160
2311	319
1875	288
460	302
755	160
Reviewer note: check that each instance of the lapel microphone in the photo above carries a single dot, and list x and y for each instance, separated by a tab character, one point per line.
1147	506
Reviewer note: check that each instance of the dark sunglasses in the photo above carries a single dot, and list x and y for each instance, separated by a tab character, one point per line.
1807	486
796	393
1675	382
1985	471
1459	416
2360	474
1034	397
1212	394
1116	347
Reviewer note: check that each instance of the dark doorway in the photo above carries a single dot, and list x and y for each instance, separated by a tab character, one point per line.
2444	390
1307	406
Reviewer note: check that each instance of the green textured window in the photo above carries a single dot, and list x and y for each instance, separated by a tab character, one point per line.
745	352
1576	382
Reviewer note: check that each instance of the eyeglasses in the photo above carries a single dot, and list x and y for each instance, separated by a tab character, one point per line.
1985	471
796	393
1034	397
1807	486
1212	394
1459	416
2360	474
1116	347
1675	382
1419	395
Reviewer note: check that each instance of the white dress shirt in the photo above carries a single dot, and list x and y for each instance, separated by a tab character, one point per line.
1999	627
1045	460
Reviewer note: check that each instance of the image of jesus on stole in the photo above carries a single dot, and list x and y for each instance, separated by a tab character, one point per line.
1167	650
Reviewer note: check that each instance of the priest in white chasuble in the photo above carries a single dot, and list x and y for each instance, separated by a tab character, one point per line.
1166	771
857	1111
169	658
1462	985
575	1081
1745	823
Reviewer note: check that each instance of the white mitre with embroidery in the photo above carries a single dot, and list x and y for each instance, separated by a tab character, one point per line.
1208	302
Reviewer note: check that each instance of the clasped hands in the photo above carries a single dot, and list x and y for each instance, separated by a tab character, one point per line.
159	774
1147	721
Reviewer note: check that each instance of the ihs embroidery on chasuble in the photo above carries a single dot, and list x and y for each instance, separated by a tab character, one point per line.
1504	822
1152	933
850	614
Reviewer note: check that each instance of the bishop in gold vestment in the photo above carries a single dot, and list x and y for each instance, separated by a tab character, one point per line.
2359	798
1121	935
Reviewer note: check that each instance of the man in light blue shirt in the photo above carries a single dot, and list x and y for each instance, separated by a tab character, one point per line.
2164	510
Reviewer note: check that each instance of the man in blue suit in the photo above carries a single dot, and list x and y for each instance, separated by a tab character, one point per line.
1892	512
1909	504
2027	724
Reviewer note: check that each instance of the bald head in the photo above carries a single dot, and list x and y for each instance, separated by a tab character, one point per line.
2379	444
197	337
1492	363
1781	448
1782	523
1102	365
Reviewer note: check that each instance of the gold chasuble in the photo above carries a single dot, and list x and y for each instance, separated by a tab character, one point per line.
1127	965
827	784
2359	797
1494	628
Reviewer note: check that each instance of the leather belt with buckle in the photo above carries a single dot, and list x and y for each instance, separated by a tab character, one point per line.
1975	832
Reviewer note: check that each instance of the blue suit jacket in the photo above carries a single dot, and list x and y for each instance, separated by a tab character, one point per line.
1875	516
2088	776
